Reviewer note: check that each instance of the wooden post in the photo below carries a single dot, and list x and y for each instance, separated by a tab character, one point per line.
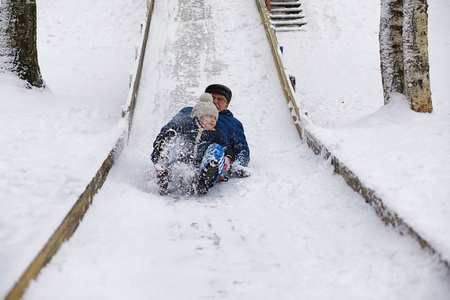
269	8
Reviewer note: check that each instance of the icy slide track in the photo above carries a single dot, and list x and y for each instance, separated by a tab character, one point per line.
293	230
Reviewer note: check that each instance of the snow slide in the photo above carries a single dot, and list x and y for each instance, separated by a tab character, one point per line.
293	230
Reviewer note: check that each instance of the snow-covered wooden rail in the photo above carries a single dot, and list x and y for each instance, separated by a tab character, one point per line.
70	223
387	215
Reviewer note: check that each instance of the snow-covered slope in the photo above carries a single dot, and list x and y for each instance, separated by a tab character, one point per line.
52	143
401	155
291	230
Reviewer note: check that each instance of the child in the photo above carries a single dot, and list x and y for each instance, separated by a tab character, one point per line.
194	141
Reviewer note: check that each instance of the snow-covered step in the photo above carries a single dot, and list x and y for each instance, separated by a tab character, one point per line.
286	4
287	14
275	17
280	2
285	10
289	24
288	29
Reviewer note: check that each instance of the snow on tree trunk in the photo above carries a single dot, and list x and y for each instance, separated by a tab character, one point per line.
18	41
391	47
415	57
5	54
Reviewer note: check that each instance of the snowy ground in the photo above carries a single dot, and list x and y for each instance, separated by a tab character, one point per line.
292	230
400	154
53	142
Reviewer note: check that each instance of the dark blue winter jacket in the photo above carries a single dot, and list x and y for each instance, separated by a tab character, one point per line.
232	133
191	140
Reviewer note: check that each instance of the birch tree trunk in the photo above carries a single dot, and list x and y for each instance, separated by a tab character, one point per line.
391	47
415	44
20	47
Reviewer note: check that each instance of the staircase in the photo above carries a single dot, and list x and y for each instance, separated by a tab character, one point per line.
287	15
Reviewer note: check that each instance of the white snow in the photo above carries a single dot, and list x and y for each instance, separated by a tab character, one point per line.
400	154
53	142
293	230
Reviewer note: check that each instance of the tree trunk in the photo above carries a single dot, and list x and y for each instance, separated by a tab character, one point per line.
391	47
21	46
415	44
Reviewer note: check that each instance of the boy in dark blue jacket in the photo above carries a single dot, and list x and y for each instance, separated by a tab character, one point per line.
191	140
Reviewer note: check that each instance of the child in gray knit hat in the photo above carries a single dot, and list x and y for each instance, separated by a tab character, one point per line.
192	140
205	111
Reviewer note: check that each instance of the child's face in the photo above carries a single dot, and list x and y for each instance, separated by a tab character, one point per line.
208	122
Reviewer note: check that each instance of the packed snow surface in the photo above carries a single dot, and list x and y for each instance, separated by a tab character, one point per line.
293	229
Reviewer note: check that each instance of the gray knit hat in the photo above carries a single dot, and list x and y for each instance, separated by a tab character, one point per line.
205	107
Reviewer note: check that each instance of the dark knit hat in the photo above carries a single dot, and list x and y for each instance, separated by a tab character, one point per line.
220	89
